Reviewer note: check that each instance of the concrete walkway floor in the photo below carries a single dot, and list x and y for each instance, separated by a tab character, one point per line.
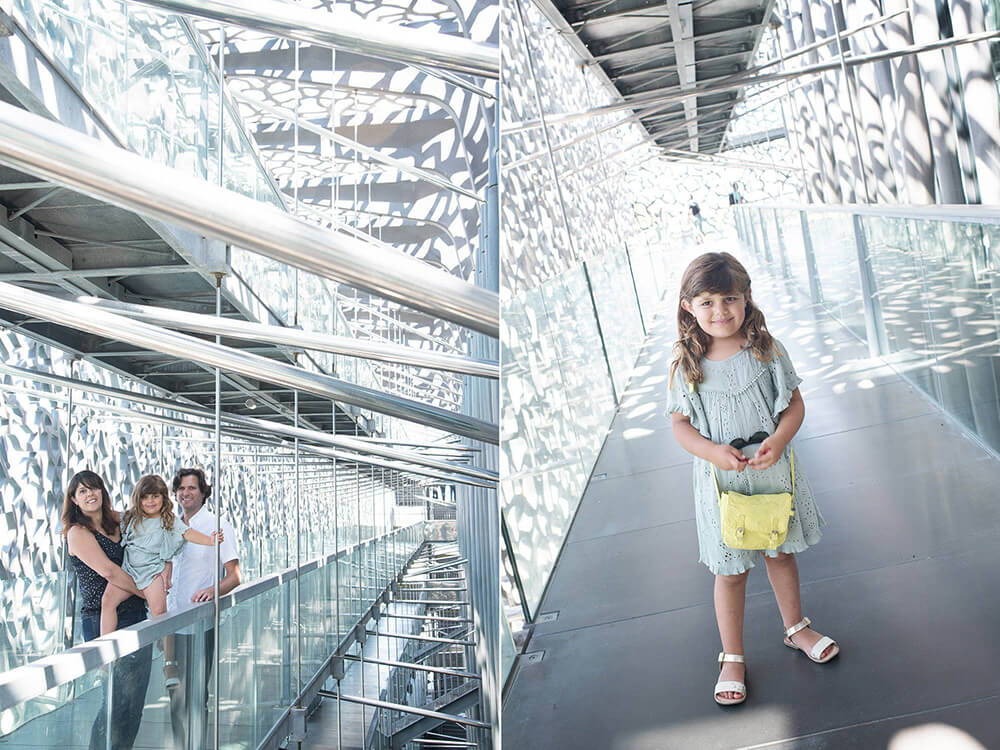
905	578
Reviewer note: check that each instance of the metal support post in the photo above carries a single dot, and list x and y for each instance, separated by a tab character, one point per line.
217	485
815	287
874	330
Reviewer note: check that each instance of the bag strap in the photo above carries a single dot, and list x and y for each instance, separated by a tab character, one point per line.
791	459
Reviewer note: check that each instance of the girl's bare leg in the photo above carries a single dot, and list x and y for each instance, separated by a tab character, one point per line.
783	573
156	596
113	596
730	602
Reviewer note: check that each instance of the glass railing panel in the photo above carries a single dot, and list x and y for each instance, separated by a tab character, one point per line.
643	260
618	312
788	228
257	666
960	293
55	719
140	709
898	273
560	404
837	260
932	311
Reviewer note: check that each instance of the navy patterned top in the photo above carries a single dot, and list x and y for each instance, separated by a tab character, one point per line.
92	585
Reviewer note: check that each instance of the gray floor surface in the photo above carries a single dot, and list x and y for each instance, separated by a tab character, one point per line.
904	578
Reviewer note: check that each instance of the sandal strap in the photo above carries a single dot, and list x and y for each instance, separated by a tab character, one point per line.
800	625
723	657
821	646
730	686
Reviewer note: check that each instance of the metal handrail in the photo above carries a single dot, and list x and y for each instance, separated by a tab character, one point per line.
973	213
285	336
39	146
261	425
449	471
31	680
344	457
403	708
346	31
146	336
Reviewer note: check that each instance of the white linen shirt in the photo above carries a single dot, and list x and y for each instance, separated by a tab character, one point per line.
194	567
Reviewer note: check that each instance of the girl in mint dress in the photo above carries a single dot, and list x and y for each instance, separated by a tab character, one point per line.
152	537
734	404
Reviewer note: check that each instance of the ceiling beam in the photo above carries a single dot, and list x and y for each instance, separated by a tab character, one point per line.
647	49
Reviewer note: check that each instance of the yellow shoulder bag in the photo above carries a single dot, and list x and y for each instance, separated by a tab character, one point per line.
755	521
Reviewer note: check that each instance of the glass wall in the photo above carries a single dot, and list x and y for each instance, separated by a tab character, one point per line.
578	278
930	309
283	519
271	643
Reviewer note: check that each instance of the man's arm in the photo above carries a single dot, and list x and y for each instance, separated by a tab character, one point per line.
230	581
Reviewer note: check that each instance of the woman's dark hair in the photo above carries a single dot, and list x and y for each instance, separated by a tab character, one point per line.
203	485
73	516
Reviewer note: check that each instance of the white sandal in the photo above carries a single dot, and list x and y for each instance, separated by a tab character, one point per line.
730	686
821	645
173	680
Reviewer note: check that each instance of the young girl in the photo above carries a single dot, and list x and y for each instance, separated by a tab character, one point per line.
732	384
151	541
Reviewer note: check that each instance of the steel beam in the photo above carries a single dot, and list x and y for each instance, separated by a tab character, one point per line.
103	323
372	153
749	78
345	31
40	146
296	337
403	708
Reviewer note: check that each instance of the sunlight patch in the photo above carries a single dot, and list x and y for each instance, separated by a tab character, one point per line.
933	737
633	433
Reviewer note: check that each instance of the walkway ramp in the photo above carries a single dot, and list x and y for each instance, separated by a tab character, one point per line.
904	578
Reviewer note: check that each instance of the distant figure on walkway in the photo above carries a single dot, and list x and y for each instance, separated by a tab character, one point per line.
735	196
734	404
697	221
94	538
194	582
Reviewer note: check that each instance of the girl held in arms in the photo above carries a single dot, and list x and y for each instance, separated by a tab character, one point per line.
151	541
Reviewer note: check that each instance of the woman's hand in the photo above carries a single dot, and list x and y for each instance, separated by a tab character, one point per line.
768	453
729	458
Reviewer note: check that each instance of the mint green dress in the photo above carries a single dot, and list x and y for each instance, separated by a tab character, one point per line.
149	547
739	397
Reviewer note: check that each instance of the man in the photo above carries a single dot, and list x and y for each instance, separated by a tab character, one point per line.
193	583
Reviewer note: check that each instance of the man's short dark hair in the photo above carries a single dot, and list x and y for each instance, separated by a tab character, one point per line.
203	485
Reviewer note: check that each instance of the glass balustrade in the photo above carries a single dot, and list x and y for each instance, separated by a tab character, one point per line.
918	285
273	639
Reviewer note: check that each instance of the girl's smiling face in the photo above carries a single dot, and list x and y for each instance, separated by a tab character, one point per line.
718	315
88	499
152	504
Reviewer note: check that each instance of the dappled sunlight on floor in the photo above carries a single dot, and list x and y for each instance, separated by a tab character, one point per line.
934	737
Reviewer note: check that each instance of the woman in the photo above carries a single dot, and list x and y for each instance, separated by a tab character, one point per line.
93	536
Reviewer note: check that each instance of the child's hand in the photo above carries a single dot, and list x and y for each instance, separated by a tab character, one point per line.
217	536
729	458
768	453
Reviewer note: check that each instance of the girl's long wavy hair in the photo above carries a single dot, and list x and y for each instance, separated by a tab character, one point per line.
73	516
151	484
715	273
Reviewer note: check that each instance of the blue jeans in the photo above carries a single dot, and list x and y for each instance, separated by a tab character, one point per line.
130	675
